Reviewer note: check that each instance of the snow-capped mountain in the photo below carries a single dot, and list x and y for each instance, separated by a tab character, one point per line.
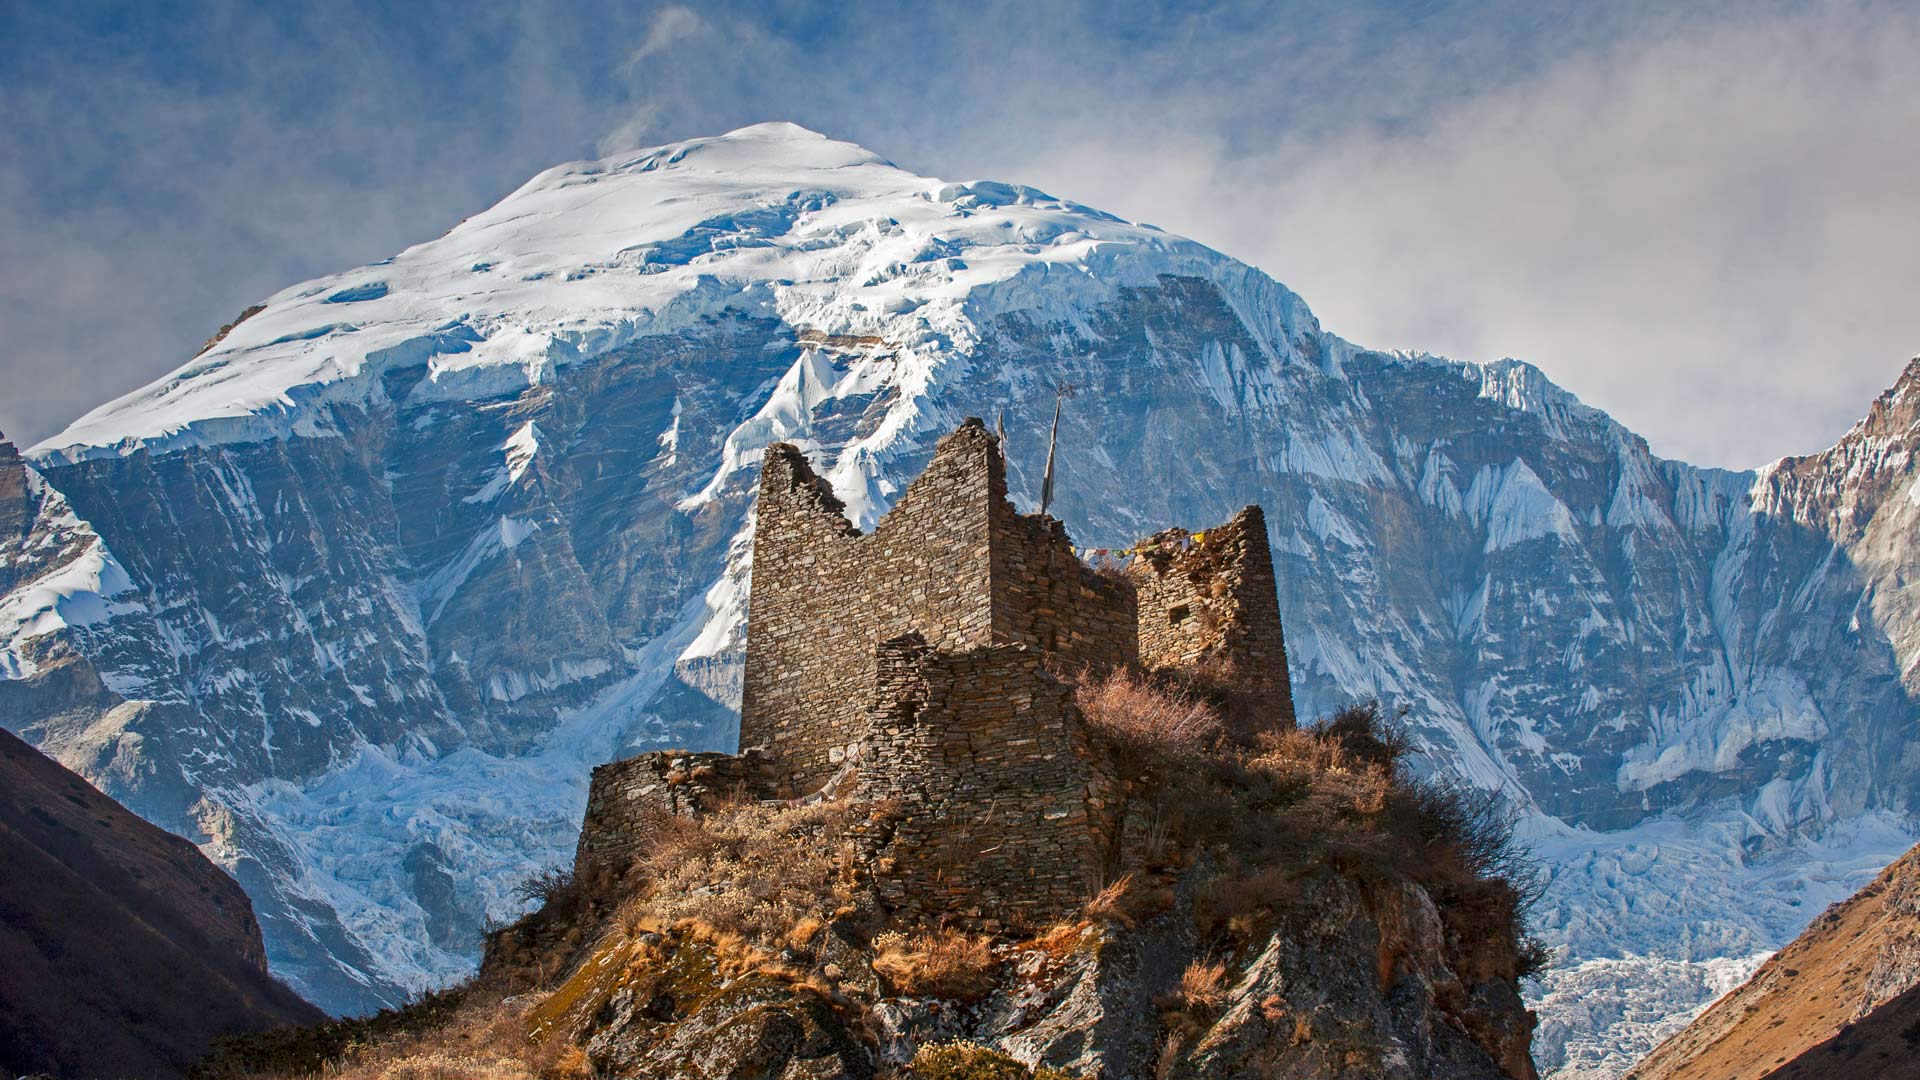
358	595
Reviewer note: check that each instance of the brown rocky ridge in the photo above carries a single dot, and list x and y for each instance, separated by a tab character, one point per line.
1840	1000
1000	811
123	951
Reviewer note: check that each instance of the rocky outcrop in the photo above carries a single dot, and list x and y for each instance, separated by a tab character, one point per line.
1309	1000
1277	903
1856	959
125	952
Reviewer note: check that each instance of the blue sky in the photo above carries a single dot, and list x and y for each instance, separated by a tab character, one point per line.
1702	222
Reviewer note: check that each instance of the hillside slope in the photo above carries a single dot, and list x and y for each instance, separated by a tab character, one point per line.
1881	1045
124	951
1856	958
1283	904
364	590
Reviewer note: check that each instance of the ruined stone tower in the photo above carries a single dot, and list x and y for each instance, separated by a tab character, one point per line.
915	663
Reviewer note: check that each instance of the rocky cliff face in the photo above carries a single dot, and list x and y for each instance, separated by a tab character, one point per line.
1857	958
359	595
1091	1001
126	952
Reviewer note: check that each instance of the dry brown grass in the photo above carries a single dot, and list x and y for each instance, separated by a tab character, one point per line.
769	876
940	963
482	1038
1145	722
1203	986
1061	938
1108	905
1129	899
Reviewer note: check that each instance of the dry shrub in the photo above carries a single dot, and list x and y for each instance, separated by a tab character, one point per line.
1147	723
1130	899
1364	732
1274	805
945	964
1235	902
746	875
546	886
1203	987
965	1061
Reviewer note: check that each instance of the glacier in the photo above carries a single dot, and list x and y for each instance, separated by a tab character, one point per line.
357	597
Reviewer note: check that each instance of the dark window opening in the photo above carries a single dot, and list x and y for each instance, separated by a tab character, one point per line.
1176	616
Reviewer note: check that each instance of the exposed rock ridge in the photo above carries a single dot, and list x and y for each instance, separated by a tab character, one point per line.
13	497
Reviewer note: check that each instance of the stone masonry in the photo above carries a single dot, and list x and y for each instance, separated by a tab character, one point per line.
626	792
1209	607
919	666
1001	805
13	493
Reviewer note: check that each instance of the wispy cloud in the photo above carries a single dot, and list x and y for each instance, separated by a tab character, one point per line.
670	24
1699	221
642	120
1704	228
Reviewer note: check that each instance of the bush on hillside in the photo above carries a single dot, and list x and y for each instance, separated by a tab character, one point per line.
749	870
1274	802
971	1061
943	964
1145	723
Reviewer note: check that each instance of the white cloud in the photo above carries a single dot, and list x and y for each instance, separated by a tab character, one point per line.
670	25
1700	221
631	133
1707	229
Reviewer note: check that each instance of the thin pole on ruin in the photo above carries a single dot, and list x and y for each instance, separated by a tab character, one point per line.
1061	393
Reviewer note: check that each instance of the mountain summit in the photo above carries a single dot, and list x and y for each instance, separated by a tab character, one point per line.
589	256
361	593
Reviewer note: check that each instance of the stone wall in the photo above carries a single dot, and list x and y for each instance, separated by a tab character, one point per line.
1046	597
627	795
952	561
1212	607
14	518
1000	813
914	666
824	595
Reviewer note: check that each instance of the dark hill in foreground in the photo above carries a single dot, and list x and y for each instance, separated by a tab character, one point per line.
123	951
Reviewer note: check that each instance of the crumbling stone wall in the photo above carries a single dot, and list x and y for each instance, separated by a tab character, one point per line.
824	595
952	561
1000	812
13	493
627	795
1212	607
911	665
1045	596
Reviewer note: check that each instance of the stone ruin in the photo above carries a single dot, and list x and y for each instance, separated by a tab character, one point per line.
916	664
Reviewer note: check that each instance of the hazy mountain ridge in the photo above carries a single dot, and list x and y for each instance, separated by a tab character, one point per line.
402	562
